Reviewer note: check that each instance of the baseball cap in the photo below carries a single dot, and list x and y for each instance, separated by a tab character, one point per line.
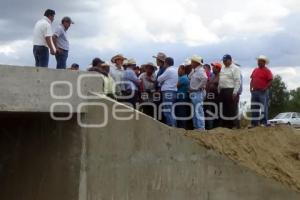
227	57
217	65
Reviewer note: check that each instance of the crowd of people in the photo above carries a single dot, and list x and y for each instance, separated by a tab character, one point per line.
193	95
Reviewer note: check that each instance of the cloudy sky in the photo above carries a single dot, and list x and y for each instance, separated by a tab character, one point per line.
180	28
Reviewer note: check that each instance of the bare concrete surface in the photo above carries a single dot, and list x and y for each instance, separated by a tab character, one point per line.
28	89
39	157
137	159
143	159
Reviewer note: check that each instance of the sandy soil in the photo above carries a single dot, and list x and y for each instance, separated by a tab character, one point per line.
271	152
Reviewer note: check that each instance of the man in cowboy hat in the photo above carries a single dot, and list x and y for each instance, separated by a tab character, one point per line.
117	72
160	62
168	81
61	42
131	83
198	80
261	81
148	79
229	85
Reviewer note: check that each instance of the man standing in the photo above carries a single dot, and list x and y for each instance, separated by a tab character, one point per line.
131	83
160	62
261	81
117	72
42	39
198	80
168	81
61	42
148	79
229	85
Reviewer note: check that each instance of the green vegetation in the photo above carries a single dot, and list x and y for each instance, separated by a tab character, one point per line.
282	100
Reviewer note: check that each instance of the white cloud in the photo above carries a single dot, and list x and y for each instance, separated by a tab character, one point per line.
191	22
290	75
255	17
6	50
14	51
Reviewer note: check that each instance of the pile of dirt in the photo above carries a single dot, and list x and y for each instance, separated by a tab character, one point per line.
271	152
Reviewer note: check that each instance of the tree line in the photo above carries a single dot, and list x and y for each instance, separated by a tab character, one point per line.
282	99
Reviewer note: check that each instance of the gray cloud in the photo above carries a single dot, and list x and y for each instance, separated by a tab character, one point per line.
18	17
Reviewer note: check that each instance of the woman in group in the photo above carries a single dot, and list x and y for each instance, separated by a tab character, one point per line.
182	97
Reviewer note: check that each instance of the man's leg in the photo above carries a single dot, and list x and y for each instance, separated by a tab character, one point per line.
61	60
198	118
233	110
226	99
181	112
168	100
254	108
43	54
36	57
264	109
200	111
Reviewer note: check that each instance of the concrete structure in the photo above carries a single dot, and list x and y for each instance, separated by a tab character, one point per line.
138	158
28	89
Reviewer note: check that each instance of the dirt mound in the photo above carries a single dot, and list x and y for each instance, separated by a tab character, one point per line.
271	152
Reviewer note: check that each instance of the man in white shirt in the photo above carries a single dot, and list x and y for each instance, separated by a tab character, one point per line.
168	81
229	86
42	39
198	79
117	72
61	42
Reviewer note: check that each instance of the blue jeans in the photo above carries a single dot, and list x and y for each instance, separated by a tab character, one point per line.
197	99
260	97
169	98
61	59
41	56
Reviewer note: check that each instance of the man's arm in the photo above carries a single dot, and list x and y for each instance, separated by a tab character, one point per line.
203	80
49	43
48	37
251	85
54	38
132	76
163	77
237	80
270	80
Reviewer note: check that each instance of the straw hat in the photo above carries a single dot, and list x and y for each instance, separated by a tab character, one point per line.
160	56
129	62
116	57
187	62
264	58
197	59
150	64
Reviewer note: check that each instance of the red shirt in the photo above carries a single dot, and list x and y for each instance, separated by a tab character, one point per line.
260	78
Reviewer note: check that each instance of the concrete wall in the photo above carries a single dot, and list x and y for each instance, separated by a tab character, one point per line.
27	89
134	159
144	160
40	159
